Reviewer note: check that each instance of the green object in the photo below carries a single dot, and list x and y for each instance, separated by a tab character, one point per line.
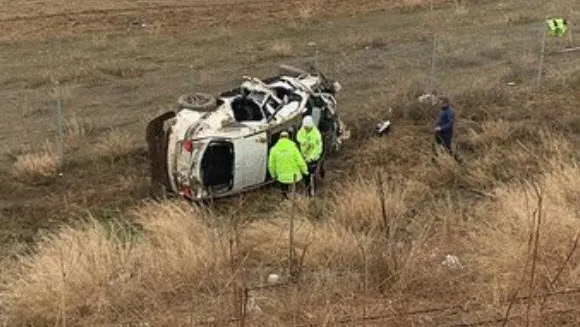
285	162
557	26
310	143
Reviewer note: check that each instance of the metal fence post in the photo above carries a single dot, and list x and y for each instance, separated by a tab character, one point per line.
315	54
433	58
570	36
59	123
542	55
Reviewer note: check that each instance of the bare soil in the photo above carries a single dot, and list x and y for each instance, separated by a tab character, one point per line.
119	63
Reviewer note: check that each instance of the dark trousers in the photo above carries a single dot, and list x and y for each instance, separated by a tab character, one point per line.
285	188
312	167
444	139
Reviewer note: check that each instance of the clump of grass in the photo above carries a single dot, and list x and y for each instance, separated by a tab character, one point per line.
281	49
359	204
474	101
78	129
460	7
113	145
506	225
491	131
39	165
519	74
356	39
93	273
120	70
412	5
323	244
308	9
188	251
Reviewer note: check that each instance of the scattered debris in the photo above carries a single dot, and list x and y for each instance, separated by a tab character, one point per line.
383	128
273	278
452	262
428	98
137	22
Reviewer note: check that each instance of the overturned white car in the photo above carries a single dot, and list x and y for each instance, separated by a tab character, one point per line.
213	147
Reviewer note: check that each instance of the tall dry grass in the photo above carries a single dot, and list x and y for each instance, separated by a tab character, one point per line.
180	253
36	165
281	49
96	274
505	227
42	165
358	206
78	129
114	144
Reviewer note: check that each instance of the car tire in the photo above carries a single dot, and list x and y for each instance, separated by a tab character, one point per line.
198	102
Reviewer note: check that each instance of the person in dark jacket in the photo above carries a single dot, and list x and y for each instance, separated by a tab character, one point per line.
444	127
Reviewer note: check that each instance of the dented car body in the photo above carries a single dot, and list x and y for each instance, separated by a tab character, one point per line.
222	149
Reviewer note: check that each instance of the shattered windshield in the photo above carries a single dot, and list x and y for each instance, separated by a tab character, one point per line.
257	97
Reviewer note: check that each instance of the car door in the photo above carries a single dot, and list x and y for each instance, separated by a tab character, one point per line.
251	160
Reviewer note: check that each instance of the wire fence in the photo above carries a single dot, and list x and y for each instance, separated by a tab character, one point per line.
464	314
128	90
442	62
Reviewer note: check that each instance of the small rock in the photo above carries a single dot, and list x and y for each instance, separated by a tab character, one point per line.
452	262
273	278
428	98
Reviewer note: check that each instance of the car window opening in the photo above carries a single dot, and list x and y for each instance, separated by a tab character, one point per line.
246	109
282	92
218	166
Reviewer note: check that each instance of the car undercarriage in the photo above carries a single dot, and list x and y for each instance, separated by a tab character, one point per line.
212	147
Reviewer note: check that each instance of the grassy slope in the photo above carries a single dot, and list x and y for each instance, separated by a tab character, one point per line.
433	209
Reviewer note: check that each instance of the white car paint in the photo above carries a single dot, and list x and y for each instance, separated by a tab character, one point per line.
249	138
251	160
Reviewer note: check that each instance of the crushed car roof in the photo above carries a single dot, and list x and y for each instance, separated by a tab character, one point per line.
220	123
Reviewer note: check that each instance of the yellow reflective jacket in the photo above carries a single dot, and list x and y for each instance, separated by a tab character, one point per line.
285	162
310	144
558	27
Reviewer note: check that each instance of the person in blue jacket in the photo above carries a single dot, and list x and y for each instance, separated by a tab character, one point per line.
444	127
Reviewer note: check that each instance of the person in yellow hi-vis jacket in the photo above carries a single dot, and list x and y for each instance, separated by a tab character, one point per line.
557	26
286	164
311	145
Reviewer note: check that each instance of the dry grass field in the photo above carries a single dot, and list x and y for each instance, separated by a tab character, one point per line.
81	243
